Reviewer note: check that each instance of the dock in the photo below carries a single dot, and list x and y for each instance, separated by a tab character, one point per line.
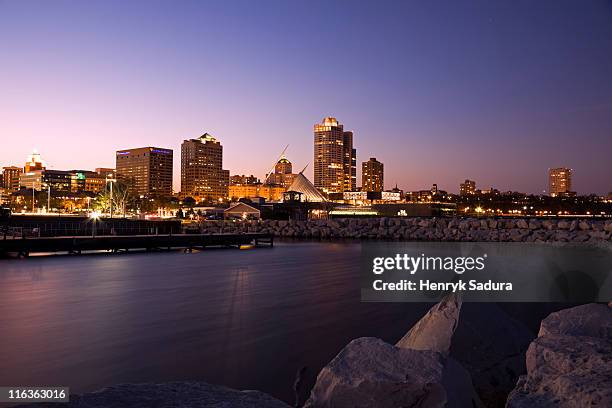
24	246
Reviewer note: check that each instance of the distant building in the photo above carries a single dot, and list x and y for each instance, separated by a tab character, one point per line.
335	159
468	187
241	180
251	191
283	174
106	172
560	182
372	175
146	170
33	163
90	181
202	174
10	178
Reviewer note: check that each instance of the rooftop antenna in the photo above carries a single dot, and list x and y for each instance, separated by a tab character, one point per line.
268	174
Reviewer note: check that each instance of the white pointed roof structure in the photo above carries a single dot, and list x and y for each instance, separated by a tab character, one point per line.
309	192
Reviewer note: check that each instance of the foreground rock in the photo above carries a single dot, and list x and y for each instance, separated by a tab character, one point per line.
570	363
175	394
435	330
415	373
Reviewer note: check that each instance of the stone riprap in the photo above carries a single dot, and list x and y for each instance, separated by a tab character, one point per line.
427	229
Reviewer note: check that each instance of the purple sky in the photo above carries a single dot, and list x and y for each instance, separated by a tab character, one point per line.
495	91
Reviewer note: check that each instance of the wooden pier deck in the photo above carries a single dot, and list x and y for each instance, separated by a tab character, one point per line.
23	247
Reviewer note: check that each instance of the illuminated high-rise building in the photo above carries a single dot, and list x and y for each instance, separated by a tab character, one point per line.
147	171
10	177
560	181
202	174
372	175
468	187
335	159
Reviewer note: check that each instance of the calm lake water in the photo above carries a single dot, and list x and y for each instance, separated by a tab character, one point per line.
248	319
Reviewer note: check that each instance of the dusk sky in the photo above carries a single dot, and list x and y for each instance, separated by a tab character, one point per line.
439	91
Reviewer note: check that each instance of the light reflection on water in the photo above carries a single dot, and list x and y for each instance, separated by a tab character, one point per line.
246	319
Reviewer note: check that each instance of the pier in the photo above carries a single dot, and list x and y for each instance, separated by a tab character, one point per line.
24	246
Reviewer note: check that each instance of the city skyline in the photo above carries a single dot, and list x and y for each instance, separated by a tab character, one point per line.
487	95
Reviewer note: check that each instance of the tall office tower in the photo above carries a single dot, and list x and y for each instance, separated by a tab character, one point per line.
560	181
202	174
372	175
468	187
146	170
335	159
10	176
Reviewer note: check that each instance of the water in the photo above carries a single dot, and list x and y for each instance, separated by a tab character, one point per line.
248	319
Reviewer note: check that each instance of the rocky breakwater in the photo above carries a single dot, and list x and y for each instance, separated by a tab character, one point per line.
569	365
427	229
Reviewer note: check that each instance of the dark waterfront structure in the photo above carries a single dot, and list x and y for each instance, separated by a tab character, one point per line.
335	159
146	170
202	174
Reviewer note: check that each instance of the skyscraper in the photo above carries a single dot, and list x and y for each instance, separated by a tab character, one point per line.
146	170
202	174
560	181
372	175
468	187
335	159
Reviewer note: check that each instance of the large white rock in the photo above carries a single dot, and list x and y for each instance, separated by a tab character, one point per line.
435	330
570	364
371	373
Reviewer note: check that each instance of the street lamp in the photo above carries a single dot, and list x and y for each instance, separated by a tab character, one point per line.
94	217
111	192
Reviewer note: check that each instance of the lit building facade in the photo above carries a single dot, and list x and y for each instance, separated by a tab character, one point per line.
241	179
283	174
202	174
335	159
250	191
10	178
468	187
372	175
147	171
106	172
33	163
560	181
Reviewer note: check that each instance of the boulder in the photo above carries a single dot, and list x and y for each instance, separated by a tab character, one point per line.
435	330
593	320
371	373
416	372
174	394
570	363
